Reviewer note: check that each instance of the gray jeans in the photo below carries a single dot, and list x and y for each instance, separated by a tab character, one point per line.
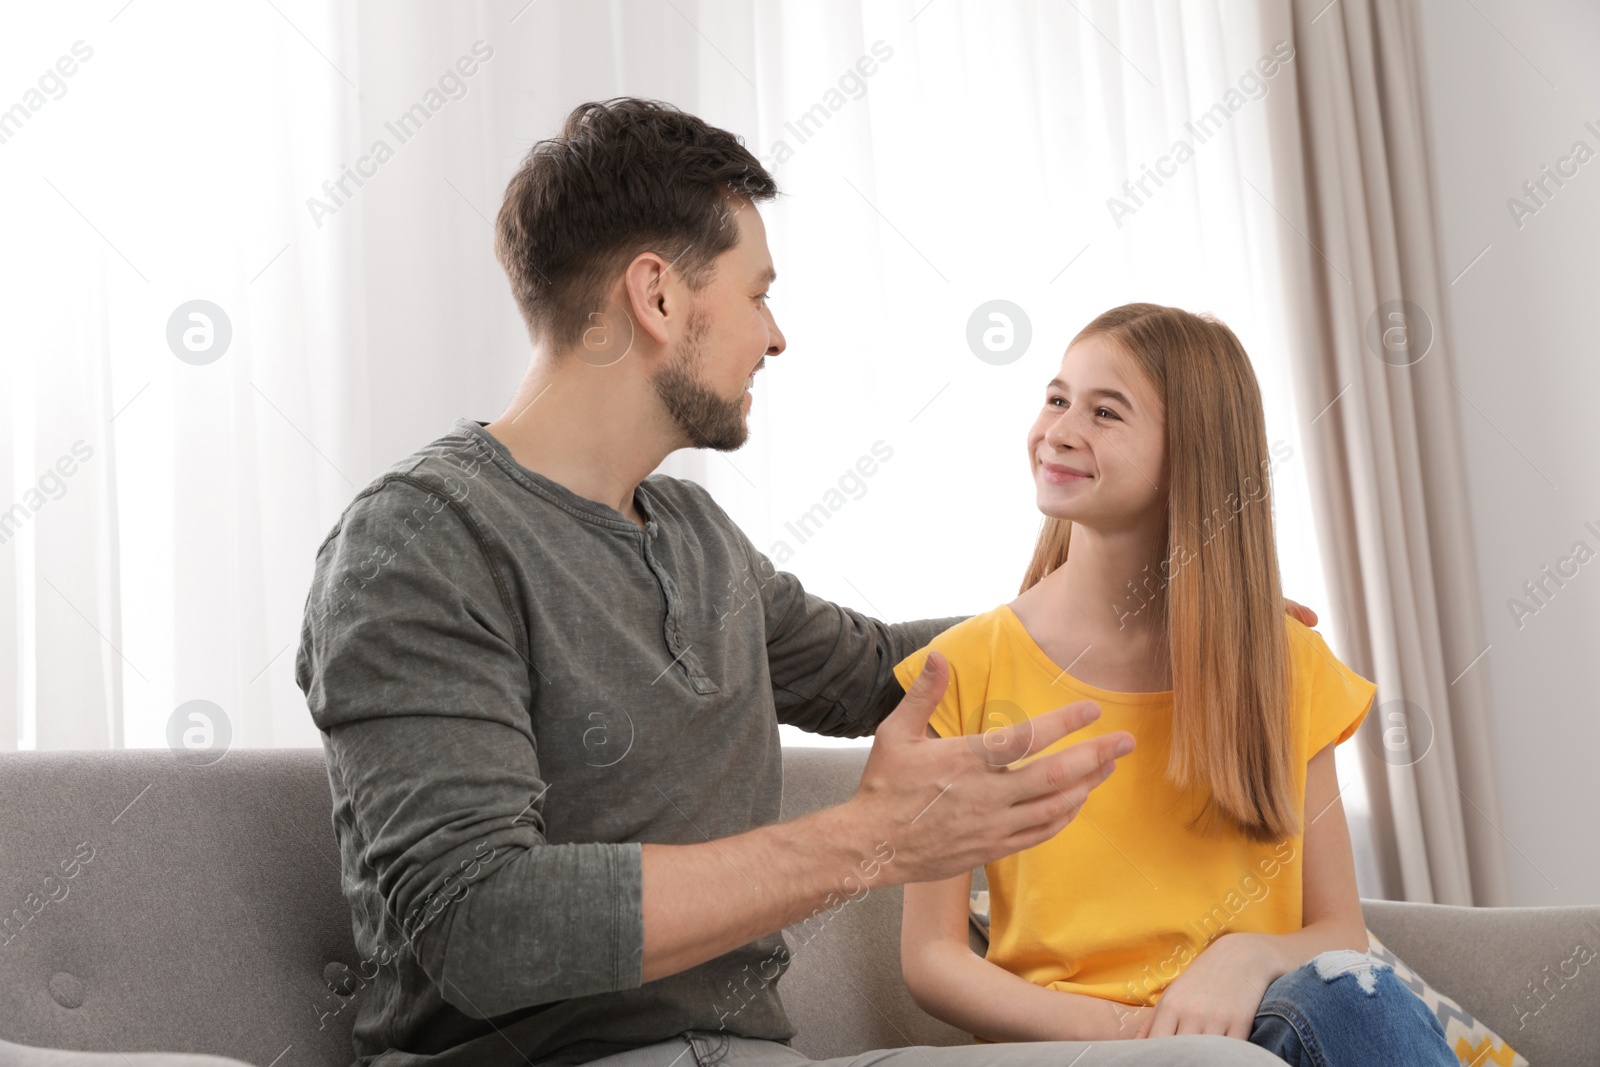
711	1049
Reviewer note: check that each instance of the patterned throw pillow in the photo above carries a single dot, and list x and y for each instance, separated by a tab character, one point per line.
978	912
1474	1043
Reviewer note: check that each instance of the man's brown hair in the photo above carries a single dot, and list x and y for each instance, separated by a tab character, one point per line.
623	176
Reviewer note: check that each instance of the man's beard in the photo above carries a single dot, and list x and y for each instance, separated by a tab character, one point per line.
705	418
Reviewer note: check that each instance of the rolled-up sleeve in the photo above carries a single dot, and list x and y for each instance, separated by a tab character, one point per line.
416	668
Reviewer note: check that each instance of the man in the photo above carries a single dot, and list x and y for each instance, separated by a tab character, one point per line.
549	682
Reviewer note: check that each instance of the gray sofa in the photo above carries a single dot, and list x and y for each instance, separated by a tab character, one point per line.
159	908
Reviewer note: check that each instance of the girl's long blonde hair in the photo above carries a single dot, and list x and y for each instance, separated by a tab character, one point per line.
1216	583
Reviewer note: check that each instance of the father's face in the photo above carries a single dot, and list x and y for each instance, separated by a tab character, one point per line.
729	333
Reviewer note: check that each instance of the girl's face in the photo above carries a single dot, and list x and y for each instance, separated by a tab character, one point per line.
1098	448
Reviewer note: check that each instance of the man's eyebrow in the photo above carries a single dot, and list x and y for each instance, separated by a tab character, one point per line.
768	276
1057	383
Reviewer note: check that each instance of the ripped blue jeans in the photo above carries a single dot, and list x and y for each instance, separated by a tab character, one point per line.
1344	1008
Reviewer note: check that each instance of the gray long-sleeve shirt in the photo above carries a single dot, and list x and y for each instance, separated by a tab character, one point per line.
516	687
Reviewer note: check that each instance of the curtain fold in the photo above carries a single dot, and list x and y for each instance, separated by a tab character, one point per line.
1368	295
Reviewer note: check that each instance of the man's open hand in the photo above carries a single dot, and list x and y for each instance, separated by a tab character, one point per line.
948	805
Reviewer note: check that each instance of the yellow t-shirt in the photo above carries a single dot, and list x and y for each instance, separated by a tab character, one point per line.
1119	902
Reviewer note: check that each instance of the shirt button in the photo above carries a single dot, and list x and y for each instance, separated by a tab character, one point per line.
650	527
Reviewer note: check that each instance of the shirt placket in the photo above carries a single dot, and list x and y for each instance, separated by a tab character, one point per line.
681	649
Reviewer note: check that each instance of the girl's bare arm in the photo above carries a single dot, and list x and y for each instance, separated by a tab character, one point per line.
1331	914
1330	867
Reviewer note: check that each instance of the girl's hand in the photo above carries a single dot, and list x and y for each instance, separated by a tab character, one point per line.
1130	1022
1219	992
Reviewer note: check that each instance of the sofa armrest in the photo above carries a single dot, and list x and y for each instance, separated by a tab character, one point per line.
28	1056
1531	974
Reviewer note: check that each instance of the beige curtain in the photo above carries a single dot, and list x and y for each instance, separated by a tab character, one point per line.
1368	297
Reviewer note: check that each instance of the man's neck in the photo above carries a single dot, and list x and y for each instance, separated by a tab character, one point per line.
590	429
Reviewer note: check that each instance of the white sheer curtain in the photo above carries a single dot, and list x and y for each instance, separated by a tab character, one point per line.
168	167
935	155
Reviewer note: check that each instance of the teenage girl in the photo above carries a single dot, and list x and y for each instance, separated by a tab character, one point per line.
1207	887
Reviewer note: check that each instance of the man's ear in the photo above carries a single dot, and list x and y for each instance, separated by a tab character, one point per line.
645	284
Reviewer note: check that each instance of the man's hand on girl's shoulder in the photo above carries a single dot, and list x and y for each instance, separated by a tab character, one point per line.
1301	613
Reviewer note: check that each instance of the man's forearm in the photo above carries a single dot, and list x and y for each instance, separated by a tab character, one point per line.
703	900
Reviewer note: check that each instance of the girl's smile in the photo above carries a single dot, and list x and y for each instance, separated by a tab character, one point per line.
1098	445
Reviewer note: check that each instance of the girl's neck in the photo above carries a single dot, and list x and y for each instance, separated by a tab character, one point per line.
1113	581
1102	610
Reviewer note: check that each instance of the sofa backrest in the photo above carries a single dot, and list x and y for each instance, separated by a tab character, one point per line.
148	904
843	989
157	905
